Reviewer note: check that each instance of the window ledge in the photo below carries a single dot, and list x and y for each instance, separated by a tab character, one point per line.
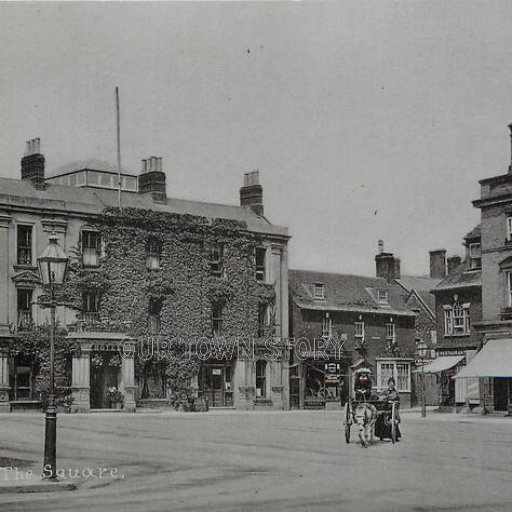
458	335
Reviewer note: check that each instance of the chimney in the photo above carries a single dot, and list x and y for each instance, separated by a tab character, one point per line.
453	263
152	179
251	194
32	164
438	264
387	266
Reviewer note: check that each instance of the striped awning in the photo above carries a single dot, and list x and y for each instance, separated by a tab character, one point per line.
494	360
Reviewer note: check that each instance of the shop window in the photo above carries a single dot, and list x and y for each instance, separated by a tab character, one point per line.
24	301
217	320
261	256
91	248
399	370
154	316
24	245
217	260
327	326
91	306
261	379
154	251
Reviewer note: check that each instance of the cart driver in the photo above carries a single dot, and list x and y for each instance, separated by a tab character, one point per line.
363	386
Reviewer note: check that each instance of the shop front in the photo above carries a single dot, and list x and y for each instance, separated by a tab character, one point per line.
216	383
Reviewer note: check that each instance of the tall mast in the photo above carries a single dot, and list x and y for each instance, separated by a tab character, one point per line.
118	128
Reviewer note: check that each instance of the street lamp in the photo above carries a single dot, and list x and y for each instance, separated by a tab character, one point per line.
53	263
422	352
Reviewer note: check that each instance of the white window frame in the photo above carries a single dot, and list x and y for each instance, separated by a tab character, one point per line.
457	319
509	227
359	330
509	288
327	326
318	291
90	255
391	332
475	255
260	270
392	367
382	297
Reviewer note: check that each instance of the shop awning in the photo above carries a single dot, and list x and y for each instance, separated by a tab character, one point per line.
494	360
440	364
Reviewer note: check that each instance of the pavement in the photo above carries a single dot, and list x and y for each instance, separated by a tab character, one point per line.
243	461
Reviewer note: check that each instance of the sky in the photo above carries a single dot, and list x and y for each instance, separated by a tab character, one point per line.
367	119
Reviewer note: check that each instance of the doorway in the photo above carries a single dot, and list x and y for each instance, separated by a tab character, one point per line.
216	384
501	393
105	369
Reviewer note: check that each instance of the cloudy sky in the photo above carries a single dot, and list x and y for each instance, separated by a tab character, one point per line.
367	119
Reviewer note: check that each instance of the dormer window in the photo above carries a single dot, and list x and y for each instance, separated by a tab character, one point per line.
475	256
318	291
382	297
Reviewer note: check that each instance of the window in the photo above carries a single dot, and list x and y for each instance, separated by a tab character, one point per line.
91	306
22	378
24	245
475	256
261	379
90	248
261	256
456	319
154	250
24	309
327	326
399	370
318	291
217	310
129	183
263	320
390	333
154	317
359	331
509	227
93	177
217	260
106	180
382	296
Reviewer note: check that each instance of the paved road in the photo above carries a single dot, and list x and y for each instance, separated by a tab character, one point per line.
294	461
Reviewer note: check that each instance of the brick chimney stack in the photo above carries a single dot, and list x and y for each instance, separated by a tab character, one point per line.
152	179
251	194
32	164
438	264
387	266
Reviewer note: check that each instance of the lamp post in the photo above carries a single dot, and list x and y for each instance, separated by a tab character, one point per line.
422	352
52	263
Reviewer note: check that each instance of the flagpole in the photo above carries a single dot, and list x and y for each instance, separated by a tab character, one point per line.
118	127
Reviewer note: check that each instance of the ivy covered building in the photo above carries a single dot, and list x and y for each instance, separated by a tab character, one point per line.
194	295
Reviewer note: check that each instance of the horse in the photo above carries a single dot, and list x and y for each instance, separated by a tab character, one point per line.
365	416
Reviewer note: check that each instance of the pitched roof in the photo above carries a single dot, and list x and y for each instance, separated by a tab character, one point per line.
346	292
421	285
90	163
476	232
16	193
461	277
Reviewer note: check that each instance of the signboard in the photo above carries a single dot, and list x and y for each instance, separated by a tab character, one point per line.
216	371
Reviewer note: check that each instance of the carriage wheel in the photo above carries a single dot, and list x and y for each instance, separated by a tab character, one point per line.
393	423
347	423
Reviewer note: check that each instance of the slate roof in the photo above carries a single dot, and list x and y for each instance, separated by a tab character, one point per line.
90	163
422	286
346	292
476	232
460	278
15	193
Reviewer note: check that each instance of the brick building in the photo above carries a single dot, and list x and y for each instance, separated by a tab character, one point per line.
375	318
493	364
458	307
157	269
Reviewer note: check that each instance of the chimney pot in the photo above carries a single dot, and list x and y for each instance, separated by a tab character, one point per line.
381	246
152	178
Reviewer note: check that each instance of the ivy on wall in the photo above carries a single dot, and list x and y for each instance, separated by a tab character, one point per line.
183	284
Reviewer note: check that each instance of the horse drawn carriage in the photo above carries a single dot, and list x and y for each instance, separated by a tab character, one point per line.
374	416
